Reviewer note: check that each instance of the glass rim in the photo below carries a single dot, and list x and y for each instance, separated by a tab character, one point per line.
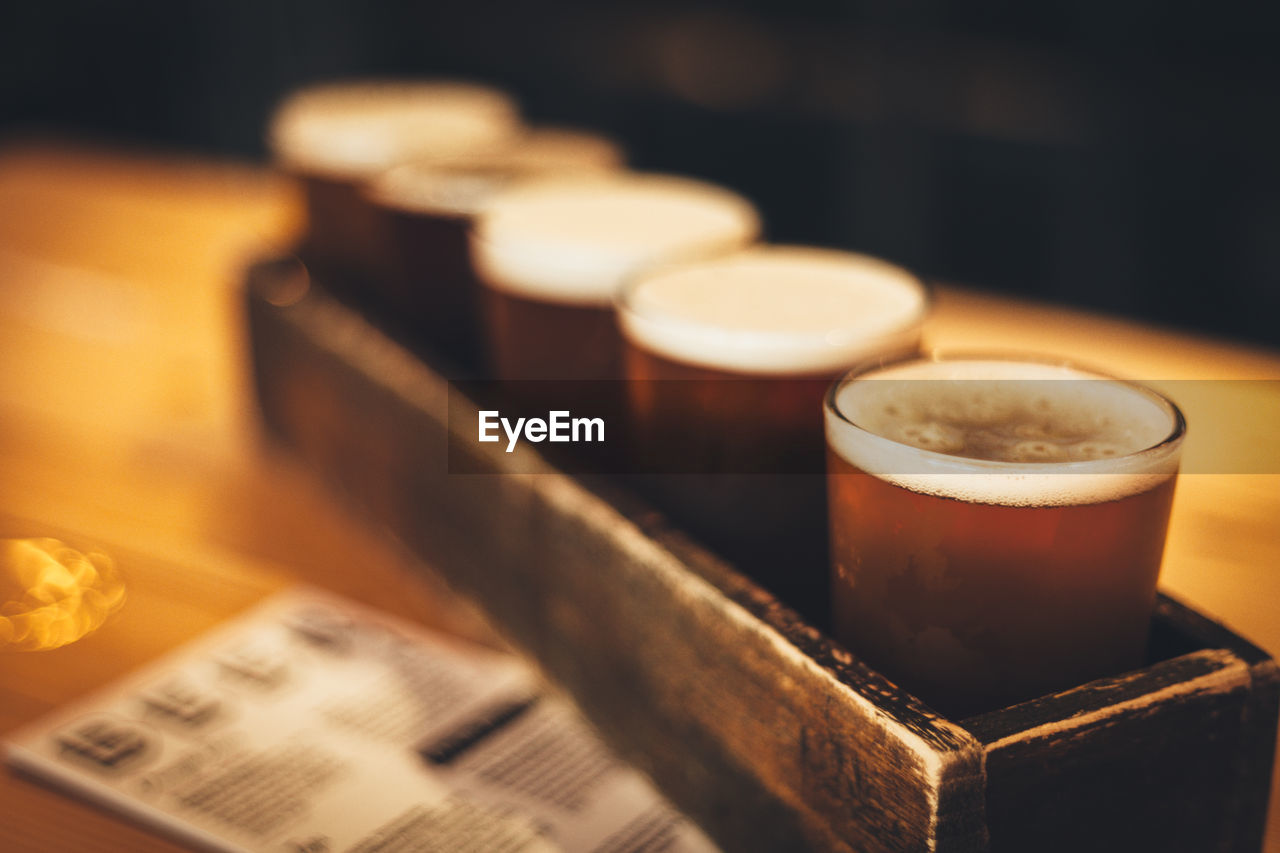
862	371
479	240
624	305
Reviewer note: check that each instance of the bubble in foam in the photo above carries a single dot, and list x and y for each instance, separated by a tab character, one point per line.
971	406
1097	450
1005	432
1038	450
934	436
1036	431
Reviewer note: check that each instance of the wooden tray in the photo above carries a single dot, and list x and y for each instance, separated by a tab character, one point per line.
768	733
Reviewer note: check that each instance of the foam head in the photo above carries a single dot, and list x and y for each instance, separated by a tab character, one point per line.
564	148
577	239
352	130
776	310
1005	432
460	185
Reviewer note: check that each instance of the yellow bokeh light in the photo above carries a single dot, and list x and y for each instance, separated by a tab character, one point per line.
53	595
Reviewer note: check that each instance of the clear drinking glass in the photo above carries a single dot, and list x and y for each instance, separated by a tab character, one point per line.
997	523
727	362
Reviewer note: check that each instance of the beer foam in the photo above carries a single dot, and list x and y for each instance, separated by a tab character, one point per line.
459	185
355	129
1009	433
569	148
776	310
577	239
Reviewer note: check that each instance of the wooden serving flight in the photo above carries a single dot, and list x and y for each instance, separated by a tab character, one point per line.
768	733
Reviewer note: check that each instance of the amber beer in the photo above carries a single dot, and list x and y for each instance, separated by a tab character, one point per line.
429	208
335	137
997	526
552	254
727	361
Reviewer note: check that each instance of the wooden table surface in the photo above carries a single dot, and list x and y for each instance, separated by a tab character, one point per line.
126	423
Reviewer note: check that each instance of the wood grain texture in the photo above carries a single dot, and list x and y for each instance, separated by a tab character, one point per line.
1146	761
765	746
125	417
754	722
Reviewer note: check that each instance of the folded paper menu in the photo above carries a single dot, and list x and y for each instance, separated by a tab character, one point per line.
311	724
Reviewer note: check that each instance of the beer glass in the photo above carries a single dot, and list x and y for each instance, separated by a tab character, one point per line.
727	362
997	524
428	208
334	137
551	255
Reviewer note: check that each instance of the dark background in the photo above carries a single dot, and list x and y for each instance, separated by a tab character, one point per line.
1116	154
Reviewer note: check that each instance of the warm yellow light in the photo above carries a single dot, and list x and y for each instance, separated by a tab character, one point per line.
52	594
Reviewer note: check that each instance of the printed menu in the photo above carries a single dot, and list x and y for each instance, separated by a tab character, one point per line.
312	724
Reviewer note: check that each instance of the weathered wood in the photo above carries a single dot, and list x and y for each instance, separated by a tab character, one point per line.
767	732
1139	762
1247	800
